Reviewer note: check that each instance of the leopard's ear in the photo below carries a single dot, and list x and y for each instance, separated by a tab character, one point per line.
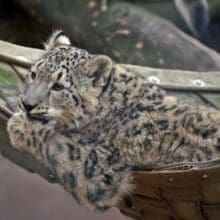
98	67
57	38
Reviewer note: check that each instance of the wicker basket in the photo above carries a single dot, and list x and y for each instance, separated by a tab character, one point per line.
186	191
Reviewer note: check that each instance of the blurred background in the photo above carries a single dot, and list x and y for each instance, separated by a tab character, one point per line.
174	34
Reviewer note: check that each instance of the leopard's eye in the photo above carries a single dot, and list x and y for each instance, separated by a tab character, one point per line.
33	75
57	87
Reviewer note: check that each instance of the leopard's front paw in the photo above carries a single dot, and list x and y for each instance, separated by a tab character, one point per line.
17	128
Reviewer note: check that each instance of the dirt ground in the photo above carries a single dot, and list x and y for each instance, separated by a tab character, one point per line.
26	196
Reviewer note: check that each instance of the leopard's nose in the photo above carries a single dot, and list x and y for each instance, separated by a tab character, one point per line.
28	107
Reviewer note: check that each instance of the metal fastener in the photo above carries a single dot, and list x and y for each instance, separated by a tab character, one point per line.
204	176
52	178
170	179
198	82
154	79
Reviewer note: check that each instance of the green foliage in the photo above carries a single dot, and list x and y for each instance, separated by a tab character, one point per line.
7	78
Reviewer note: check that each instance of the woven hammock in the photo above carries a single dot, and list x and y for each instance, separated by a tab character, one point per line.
179	191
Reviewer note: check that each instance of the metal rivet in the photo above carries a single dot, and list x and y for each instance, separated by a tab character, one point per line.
170	179
94	23
52	178
204	176
154	79
198	82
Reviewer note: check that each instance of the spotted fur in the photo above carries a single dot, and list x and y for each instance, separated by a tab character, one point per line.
92	121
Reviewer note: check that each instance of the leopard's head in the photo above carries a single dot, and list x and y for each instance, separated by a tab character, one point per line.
65	78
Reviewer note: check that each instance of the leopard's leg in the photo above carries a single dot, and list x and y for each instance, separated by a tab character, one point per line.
30	136
86	172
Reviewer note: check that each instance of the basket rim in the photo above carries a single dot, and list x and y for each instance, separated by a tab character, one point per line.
179	167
